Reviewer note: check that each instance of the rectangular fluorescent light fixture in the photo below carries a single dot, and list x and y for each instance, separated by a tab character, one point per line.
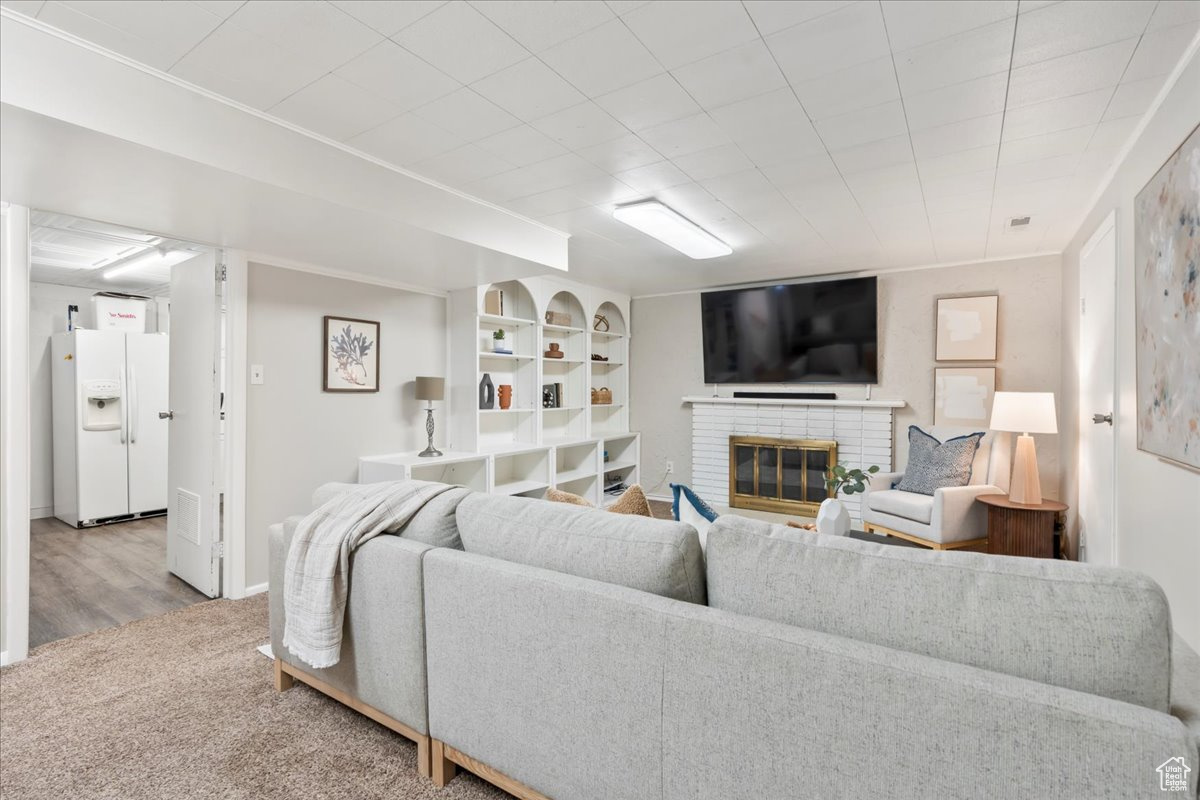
151	259
654	219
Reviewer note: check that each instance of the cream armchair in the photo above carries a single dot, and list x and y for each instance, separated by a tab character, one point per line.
949	518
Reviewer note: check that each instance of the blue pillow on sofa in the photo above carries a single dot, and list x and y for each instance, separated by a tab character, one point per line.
689	508
934	465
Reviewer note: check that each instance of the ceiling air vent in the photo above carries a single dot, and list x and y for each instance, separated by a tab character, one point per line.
1017	222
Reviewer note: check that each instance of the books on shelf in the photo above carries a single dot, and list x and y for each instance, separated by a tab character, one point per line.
493	302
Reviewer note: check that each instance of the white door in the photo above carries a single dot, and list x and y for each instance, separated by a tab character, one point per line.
146	379
101	431
1097	369
193	502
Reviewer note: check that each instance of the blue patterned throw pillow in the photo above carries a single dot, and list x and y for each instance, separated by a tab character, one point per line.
935	465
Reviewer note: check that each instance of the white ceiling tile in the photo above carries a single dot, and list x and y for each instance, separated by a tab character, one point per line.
388	18
246	68
606	191
529	90
1159	52
625	6
461	166
29	8
653	177
1030	171
911	23
580	126
712	163
602	60
650	102
1056	115
624	153
538	25
321	33
862	86
740	72
875	155
974	54
1069	75
405	140
802	171
222	8
949	205
965	135
554	201
501	188
835	41
688	135
1048	145
157	35
976	98
747	193
391	72
1133	98
771	15
774	111
975	159
1065	28
859	127
1169	13
945	186
467	115
890	186
679	32
1112	134
335	108
557	172
461	42
521	146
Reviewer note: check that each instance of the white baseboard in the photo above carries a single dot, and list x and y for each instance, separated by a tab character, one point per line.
257	588
41	513
3	658
666	498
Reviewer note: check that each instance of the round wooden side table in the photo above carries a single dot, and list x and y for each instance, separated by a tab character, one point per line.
1020	529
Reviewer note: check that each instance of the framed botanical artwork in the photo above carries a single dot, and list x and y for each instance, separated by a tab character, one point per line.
351	355
962	396
966	328
1166	244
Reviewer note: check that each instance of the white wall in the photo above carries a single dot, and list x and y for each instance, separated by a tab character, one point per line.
48	315
667	360
1158	504
299	437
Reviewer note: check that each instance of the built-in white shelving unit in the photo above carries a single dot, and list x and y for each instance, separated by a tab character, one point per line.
530	447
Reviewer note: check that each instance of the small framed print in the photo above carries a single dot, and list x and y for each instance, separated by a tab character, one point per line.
351	355
962	398
966	328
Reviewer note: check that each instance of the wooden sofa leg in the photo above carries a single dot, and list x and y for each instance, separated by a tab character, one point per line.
444	769
424	765
283	681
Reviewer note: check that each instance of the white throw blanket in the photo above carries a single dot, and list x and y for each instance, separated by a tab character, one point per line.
316	579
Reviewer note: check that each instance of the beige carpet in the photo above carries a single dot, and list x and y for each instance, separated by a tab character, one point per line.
181	706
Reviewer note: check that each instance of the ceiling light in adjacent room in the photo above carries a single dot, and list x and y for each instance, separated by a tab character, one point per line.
153	259
654	219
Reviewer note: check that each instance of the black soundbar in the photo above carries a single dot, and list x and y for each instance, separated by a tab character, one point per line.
787	395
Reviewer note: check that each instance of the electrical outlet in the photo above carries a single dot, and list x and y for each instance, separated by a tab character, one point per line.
256	374
670	467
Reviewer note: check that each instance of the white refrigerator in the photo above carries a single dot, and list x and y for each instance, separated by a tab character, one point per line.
110	447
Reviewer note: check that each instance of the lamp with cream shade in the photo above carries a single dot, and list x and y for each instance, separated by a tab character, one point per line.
1025	413
431	390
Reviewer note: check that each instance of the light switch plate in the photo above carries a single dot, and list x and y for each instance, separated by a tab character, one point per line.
256	374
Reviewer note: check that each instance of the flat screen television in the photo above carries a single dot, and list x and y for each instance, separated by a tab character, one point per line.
821	332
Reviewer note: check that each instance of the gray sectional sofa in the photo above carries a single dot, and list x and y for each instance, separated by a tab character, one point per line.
571	653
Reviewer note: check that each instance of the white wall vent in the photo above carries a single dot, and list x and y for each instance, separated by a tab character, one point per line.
187	515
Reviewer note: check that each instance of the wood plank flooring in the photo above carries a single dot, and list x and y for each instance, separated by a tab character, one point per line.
84	580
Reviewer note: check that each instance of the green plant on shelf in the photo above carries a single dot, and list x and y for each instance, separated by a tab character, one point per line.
498	335
848	481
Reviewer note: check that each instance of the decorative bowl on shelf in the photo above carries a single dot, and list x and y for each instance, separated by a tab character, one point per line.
555	351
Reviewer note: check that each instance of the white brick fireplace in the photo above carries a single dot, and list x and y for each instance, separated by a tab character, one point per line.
861	428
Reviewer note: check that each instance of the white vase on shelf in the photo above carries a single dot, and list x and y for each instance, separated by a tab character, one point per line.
832	518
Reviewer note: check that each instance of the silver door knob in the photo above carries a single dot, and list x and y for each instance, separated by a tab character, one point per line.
166	415
1100	419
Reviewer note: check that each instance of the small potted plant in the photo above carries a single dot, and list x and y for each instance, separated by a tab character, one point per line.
832	518
498	345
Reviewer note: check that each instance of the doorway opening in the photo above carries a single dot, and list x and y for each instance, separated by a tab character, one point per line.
126	387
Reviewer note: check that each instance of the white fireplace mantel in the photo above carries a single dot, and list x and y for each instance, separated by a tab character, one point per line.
790	401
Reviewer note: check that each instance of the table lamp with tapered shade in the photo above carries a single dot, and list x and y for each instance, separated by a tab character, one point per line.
1025	413
430	390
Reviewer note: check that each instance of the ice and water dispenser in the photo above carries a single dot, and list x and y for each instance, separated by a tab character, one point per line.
101	405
